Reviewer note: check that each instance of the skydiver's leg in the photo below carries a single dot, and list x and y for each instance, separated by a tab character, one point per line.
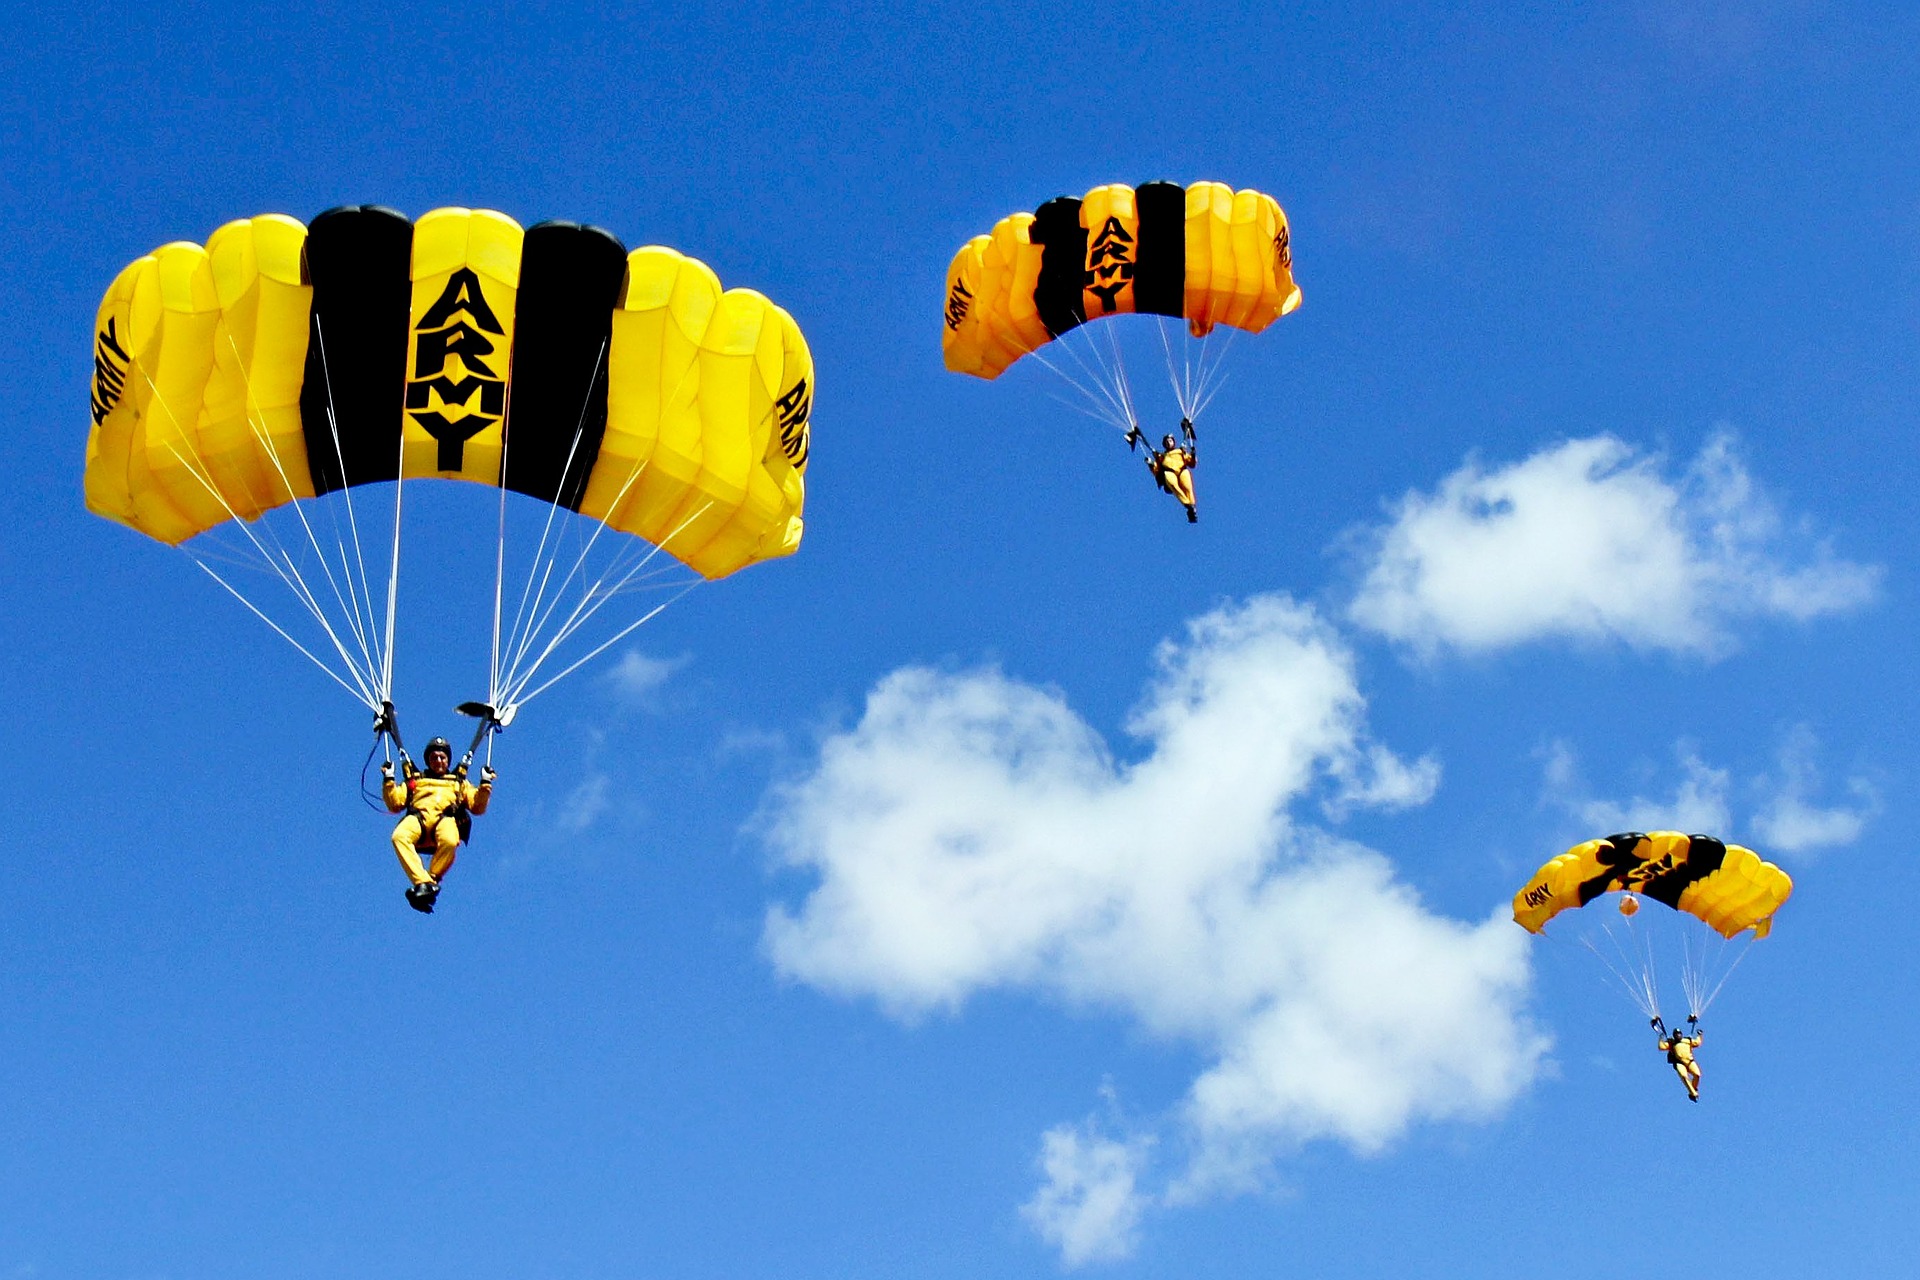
405	836
446	836
1182	488
1686	1079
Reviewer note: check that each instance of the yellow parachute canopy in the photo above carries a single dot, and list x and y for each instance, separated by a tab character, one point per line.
1207	253
283	362
1727	886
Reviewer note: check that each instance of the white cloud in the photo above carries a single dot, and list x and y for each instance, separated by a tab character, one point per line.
585	803
1698	803
971	831
1589	540
637	678
1787	821
1090	1206
1790	823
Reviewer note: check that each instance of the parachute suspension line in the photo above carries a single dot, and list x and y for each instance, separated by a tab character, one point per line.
1099	415
282	564
384	675
519	698
500	552
1211	379
1714	993
1106	410
1118	372
647	581
589	606
1109	375
360	631
494	681
332	675
356	587
1703	963
1181	382
500	555
288	571
538	620
499	567
1208	398
1644	949
1195	384
1097	370
1635	991
599	649
393	563
1639	972
1693	963
346	492
1631	965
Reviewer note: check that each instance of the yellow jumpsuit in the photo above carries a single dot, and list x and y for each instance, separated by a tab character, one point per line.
1174	470
432	802
1679	1050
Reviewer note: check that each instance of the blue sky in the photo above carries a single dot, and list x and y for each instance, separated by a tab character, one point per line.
1017	881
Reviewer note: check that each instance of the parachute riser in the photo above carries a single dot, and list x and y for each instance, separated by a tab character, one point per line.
386	725
491	722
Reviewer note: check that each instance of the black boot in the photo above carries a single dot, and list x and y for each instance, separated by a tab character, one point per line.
420	897
1193	517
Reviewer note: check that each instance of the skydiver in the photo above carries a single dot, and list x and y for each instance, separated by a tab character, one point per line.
439	805
1172	464
1679	1047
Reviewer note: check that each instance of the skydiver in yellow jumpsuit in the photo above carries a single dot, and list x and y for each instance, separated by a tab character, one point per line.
1679	1048
436	803
1172	465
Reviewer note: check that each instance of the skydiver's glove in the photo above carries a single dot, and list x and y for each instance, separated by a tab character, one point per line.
386	770
487	775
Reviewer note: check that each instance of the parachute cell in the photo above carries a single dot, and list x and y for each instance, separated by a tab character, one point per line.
282	362
1205	253
1727	886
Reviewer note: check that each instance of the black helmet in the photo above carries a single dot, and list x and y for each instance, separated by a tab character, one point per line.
437	744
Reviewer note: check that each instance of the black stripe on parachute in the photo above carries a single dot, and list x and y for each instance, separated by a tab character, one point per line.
1617	855
1160	271
359	260
1704	856
1063	259
571	278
